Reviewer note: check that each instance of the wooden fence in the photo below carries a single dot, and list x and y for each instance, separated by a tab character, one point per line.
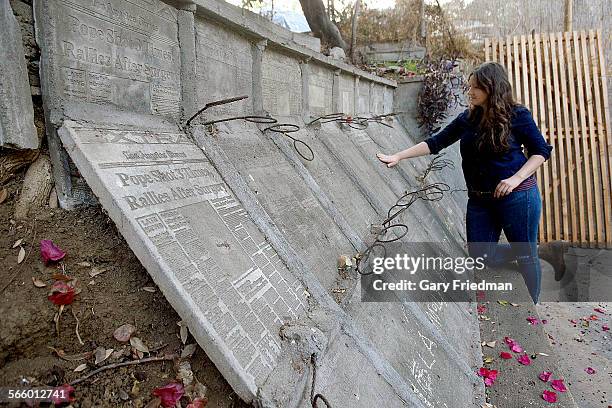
561	78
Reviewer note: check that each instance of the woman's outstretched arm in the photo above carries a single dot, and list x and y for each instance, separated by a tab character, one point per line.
417	150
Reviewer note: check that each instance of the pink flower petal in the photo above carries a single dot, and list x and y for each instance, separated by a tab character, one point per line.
574	321
558	385
482	372
549	396
533	320
49	252
600	310
505	355
492	375
516	348
545	376
509	341
482	309
605	327
169	394
590	370
544	321
524	359
488	382
61	293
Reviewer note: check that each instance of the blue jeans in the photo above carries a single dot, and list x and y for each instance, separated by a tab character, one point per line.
518	215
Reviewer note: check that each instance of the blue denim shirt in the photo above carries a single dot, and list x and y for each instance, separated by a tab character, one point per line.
484	171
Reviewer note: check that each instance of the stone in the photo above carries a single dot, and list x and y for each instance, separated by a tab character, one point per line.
337	53
17	128
197	242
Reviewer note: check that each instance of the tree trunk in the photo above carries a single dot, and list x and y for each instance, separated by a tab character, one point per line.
12	162
320	24
37	185
354	30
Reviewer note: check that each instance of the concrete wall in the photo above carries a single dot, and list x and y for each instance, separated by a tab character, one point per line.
310	212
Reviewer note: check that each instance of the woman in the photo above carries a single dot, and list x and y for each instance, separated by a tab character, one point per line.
502	190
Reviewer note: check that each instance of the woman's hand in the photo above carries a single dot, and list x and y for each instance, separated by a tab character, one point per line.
506	186
390	160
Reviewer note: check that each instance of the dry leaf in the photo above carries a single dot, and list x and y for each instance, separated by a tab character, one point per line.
84	264
124	332
185	375
21	255
184	331
95	271
38	283
149	289
80	368
490	344
138	345
17	243
3	195
189	350
488	360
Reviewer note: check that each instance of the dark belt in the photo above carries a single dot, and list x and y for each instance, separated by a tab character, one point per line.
480	194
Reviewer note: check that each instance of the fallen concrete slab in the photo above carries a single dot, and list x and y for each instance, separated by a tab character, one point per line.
17	128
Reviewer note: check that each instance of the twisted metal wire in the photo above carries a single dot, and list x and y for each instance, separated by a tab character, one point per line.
285	129
431	192
316	397
436	164
355	122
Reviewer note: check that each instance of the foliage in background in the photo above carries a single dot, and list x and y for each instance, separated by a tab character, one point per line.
387	25
443	39
442	87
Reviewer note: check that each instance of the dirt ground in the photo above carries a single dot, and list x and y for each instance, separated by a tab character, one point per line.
106	301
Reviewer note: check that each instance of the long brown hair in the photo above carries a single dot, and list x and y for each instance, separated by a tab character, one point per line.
494	118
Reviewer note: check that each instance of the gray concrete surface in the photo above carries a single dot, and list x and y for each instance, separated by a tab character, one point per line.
240	233
17	128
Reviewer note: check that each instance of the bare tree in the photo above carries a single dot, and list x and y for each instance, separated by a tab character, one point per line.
320	24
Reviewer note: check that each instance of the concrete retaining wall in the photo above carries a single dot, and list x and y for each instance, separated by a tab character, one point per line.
258	282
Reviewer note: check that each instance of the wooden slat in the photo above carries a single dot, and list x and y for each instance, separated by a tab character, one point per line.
571	78
566	136
542	124
585	158
524	71
600	146
532	77
592	142
607	161
552	208
516	64
486	49
494	49
509	60
560	177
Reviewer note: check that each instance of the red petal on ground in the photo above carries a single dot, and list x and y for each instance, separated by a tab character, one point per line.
49	252
61	293
482	309
544	321
169	394
524	359
545	376
509	341
549	396
574	321
505	355
492	375
63	393
488	382
593	317
198	403
600	310
533	320
558	385
590	370
605	327
516	348
482	372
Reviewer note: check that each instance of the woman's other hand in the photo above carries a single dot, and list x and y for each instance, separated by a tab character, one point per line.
390	160
506	186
